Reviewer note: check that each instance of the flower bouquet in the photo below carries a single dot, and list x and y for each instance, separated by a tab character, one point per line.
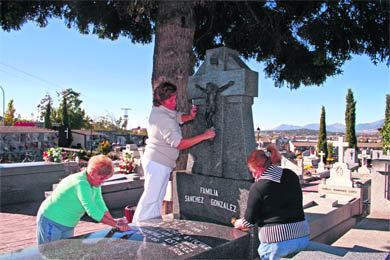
128	163
54	155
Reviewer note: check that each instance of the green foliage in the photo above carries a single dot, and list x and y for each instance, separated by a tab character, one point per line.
108	122
350	118
9	115
385	130
47	120
300	42
322	144
330	151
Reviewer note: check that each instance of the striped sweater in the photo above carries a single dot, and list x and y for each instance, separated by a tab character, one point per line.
275	204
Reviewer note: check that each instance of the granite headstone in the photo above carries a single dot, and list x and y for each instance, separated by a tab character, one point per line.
216	189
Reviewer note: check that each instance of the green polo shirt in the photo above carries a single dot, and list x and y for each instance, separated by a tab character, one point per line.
72	198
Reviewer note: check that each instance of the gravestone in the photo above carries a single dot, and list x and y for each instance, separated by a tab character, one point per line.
340	175
380	189
226	155
297	168
151	239
350	158
321	171
340	148
218	186
311	159
321	165
364	171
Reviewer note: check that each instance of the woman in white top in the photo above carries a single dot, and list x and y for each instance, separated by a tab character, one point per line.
162	149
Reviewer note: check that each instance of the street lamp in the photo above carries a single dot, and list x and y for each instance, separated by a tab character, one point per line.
90	138
3	106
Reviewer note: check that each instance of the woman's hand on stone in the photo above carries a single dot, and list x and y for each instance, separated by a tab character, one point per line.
194	111
122	225
209	134
238	224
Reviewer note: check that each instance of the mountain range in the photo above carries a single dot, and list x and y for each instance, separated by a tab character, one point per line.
337	127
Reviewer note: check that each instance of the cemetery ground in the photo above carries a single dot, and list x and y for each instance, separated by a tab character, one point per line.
18	227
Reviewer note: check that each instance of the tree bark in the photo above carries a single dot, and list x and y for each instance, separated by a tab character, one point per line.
175	28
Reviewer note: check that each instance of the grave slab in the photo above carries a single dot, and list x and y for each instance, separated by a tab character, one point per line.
152	239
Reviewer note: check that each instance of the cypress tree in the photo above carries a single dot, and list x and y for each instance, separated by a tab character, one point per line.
322	144
47	121
350	118
385	130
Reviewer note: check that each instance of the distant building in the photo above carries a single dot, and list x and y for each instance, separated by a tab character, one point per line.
308	145
82	139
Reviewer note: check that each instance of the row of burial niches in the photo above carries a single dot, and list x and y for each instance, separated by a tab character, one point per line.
14	147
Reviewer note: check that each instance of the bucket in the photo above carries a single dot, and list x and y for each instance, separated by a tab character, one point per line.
129	212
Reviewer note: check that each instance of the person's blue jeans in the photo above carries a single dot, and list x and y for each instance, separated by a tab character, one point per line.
275	251
48	230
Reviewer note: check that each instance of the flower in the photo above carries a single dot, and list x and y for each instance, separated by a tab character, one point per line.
116	149
54	155
128	163
126	166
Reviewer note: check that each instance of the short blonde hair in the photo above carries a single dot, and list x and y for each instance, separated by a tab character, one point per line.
101	164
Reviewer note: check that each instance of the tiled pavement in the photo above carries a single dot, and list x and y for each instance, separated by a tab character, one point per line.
18	229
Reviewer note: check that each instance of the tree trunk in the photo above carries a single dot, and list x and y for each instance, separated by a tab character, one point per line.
175	28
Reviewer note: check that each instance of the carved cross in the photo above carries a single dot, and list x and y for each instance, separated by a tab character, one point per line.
322	155
341	144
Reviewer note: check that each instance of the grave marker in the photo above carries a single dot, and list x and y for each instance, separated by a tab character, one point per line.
340	147
217	188
321	165
340	175
350	158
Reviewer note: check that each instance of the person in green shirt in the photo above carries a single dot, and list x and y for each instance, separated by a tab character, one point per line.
75	195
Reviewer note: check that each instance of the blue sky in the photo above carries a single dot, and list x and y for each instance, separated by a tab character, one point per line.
111	75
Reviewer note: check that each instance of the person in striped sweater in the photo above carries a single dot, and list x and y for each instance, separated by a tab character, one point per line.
275	205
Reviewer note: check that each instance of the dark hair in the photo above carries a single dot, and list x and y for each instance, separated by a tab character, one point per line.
259	157
162	92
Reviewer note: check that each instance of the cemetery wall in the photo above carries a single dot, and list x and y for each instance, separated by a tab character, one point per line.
27	182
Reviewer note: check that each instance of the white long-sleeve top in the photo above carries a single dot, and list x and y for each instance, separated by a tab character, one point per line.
164	136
